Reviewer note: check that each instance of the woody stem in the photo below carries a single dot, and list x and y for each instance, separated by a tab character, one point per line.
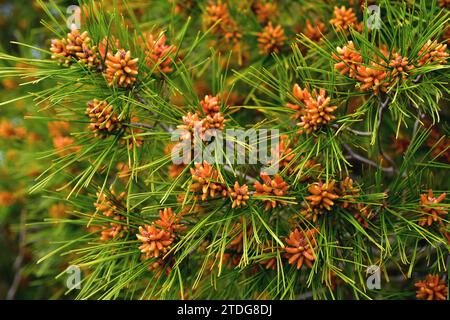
369	162
381	110
353	131
17	266
238	173
142	125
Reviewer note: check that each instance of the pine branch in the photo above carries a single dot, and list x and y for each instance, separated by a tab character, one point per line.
383	106
142	125
353	131
356	156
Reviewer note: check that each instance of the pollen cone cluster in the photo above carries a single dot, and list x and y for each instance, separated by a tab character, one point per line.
115	229
432	52
300	248
210	105
310	213
206	183
431	212
400	67
301	96
121	69
156	241
271	190
348	59
159	54
432	288
109	205
373	78
239	195
158	236
218	18
211	108
103	120
380	75
271	39
193	127
112	206
10	131
217	14
264	11
444	3
317	112
314	31
78	46
347	192
59	51
75	47
322	195
170	221
320	201
313	109
344	19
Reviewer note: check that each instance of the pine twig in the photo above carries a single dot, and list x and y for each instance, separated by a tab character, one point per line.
17	266
239	173
142	125
417	79
353	131
381	110
420	115
369	162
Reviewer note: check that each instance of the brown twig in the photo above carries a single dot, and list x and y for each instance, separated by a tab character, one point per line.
238	173
142	125
383	106
17	266
353	131
417	79
369	162
420	116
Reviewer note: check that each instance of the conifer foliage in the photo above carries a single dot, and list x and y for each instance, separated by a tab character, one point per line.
93	116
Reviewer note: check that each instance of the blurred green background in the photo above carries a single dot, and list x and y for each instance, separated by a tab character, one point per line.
20	141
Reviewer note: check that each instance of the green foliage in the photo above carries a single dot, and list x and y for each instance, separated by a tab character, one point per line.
361	142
